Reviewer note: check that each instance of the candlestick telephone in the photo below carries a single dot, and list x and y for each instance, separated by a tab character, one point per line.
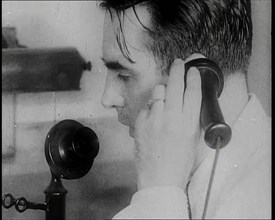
70	150
211	118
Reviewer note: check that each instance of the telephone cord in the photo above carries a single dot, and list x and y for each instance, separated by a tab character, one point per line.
218	146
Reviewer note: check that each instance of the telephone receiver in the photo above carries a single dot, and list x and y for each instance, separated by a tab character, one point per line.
211	117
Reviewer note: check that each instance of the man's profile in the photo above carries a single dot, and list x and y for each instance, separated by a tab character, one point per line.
146	44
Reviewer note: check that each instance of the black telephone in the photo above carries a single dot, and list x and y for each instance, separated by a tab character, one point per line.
211	117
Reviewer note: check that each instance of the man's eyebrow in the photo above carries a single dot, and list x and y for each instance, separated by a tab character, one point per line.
114	65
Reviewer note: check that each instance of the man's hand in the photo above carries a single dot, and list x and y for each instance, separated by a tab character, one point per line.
167	132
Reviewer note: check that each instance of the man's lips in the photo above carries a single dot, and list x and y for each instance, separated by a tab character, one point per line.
122	119
122	122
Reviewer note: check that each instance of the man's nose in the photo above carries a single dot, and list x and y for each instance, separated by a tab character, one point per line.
111	96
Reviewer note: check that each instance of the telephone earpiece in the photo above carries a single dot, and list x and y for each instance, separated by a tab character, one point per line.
211	117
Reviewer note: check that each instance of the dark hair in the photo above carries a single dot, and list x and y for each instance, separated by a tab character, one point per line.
221	30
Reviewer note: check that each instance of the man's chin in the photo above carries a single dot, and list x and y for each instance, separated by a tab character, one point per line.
131	132
131	128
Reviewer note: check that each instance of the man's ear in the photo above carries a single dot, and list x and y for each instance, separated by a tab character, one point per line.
164	77
194	56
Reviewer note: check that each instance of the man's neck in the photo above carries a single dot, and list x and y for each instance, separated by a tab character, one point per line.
232	102
234	97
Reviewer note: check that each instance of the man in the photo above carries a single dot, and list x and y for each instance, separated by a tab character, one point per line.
145	47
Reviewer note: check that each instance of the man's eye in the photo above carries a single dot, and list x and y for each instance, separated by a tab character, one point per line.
124	78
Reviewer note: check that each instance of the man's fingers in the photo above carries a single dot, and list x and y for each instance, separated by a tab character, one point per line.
192	97
158	92
175	88
158	99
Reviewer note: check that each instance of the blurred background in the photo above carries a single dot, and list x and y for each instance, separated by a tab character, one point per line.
27	117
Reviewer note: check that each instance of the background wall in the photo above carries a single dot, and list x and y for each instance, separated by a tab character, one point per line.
60	24
259	78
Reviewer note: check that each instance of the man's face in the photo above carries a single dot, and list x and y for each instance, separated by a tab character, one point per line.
128	85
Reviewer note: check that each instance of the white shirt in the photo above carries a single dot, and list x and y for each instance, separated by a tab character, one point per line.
242	181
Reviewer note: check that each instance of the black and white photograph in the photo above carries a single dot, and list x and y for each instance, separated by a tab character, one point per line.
136	109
